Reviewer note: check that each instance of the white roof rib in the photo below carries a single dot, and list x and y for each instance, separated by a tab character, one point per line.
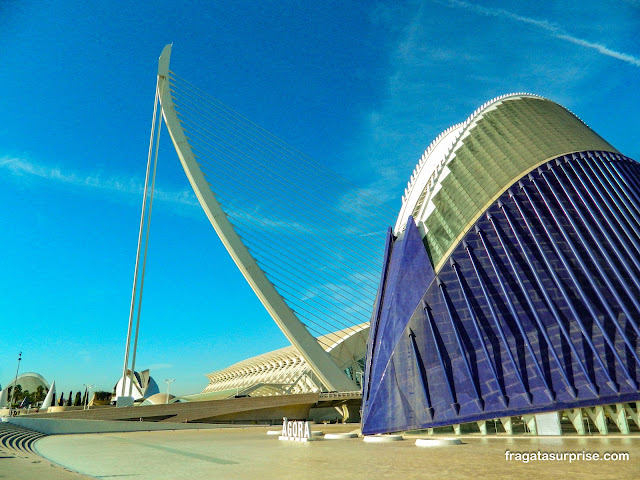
426	175
285	362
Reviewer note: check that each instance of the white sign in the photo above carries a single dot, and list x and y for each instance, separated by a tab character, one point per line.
295	430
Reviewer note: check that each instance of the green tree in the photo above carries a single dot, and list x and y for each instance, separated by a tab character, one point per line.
102	395
61	401
84	397
78	399
39	394
70	399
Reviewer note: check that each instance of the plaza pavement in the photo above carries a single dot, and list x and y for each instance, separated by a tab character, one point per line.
248	453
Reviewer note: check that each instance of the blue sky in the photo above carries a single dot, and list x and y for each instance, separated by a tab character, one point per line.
362	87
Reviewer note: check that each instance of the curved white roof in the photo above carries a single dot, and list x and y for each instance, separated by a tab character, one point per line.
430	170
471	164
29	381
285	370
160	399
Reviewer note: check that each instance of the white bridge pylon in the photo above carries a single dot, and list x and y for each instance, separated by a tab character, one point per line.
321	363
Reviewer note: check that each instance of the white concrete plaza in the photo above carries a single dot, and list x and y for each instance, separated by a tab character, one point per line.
249	453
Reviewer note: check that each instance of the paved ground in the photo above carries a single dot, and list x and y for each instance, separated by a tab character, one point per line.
16	468
248	453
17	464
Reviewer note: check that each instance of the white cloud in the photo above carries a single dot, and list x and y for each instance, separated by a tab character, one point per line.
602	49
273	222
557	31
24	168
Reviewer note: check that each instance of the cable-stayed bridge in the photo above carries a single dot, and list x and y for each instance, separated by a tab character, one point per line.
309	243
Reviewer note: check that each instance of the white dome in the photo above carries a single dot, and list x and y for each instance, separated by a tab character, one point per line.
159	399
29	381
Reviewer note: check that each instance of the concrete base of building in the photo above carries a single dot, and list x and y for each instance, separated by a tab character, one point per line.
60	426
236	410
619	418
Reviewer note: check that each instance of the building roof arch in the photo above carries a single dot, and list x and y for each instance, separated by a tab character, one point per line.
470	164
29	381
286	365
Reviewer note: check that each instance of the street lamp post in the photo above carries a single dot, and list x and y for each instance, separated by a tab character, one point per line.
168	381
15	384
87	389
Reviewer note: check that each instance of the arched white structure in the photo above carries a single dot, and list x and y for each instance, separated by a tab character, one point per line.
160	399
29	381
428	174
321	363
471	164
285	371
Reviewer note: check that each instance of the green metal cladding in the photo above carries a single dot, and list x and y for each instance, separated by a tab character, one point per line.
498	147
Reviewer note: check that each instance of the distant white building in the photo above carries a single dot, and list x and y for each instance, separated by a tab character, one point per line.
29	381
143	386
284	371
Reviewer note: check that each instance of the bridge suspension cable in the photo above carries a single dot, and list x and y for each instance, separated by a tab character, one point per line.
318	238
307	241
280	167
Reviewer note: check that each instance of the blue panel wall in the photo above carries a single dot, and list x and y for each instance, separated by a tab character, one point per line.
536	310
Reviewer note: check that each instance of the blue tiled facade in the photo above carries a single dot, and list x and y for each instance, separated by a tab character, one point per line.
537	308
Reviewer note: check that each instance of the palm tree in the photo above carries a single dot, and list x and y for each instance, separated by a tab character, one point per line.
17	398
